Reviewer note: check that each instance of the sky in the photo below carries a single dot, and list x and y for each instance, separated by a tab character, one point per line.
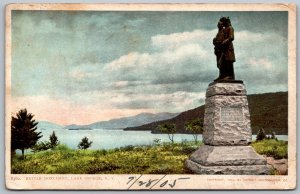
72	67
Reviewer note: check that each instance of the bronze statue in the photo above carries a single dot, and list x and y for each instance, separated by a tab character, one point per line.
217	41
224	49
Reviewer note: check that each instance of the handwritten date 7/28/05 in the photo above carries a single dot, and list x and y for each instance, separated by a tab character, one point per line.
148	183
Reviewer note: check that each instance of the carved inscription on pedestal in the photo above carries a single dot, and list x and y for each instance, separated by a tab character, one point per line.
232	114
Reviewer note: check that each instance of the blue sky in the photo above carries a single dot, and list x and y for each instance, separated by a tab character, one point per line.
82	67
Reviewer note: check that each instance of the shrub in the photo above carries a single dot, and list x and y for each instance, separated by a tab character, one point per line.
53	140
62	147
101	152
84	144
127	148
261	135
156	141
273	135
41	146
138	148
273	148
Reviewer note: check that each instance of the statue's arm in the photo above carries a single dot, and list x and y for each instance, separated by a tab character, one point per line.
231	33
230	38
215	41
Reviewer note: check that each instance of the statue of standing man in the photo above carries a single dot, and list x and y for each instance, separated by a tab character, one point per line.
224	49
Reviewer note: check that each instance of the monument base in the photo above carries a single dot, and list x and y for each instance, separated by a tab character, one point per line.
235	160
227	116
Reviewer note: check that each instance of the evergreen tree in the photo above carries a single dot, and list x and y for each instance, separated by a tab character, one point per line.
23	131
261	135
53	140
84	144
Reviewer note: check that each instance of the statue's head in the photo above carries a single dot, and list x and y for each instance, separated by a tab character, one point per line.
221	22
220	25
225	21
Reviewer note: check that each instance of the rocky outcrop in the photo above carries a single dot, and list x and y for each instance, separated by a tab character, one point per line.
281	165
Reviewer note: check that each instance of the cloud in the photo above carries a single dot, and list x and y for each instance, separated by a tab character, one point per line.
130	62
246	35
175	40
260	63
102	64
77	74
170	62
171	102
179	62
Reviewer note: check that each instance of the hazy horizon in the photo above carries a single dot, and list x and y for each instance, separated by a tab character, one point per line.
104	120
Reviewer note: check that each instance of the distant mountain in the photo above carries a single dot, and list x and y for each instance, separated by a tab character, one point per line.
179	121
132	121
72	126
120	123
268	111
44	125
77	127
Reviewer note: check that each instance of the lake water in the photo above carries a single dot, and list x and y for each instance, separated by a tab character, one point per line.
108	139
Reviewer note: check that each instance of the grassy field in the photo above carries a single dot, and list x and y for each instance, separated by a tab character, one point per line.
155	159
271	147
163	158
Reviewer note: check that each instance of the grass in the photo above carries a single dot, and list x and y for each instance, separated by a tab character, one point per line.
165	158
271	147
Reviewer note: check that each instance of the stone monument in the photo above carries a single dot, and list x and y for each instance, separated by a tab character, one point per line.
227	130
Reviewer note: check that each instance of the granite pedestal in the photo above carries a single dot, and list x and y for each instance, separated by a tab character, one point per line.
227	134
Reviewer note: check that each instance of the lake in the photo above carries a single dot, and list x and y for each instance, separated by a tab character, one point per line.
108	139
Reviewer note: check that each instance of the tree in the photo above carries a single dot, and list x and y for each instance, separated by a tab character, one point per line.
84	144
23	131
53	140
261	135
195	127
46	145
168	128
41	146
